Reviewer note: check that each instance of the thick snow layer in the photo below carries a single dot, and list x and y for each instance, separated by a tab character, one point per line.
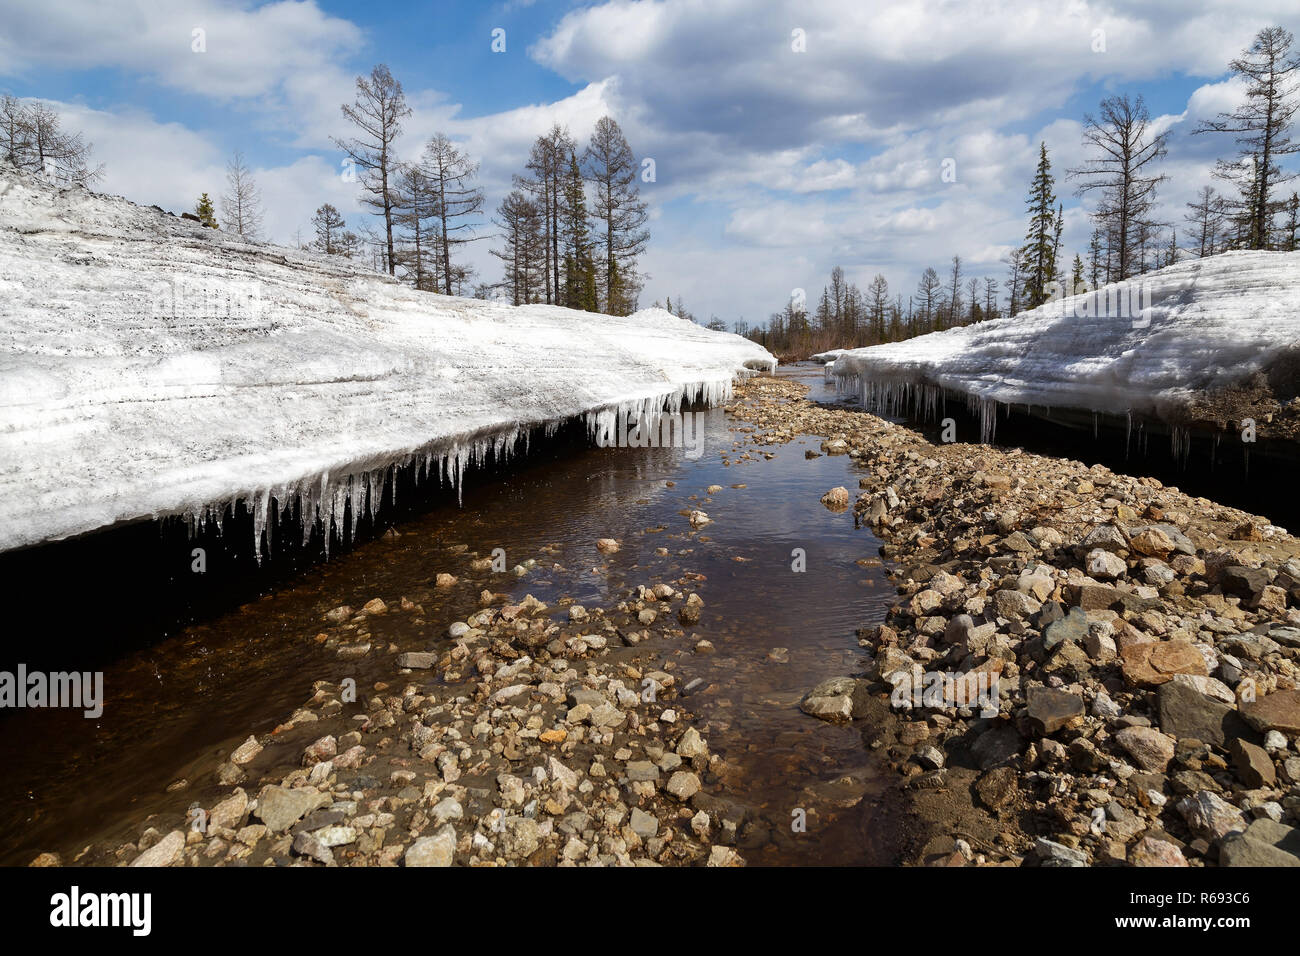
150	366
1141	348
827	357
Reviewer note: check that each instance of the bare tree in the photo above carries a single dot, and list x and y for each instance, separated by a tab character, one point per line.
32	138
1207	218
242	202
548	164
377	113
1122	171
928	291
620	215
523	253
1262	126
329	225
415	211
451	174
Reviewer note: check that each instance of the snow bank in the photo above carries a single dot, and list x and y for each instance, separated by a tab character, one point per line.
1141	348
150	366
827	357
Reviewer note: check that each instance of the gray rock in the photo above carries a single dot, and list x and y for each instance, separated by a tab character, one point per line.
281	807
1049	853
436	850
643	824
1186	712
1264	843
417	660
1073	627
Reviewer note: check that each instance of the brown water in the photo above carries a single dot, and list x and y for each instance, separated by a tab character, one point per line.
172	709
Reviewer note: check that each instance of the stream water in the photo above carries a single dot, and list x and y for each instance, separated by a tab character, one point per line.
174	706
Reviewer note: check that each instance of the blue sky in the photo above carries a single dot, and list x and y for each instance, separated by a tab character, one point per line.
774	164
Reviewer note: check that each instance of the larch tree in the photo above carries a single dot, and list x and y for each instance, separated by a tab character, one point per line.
242	202
377	114
415	213
457	201
619	213
329	224
1121	171
1262	127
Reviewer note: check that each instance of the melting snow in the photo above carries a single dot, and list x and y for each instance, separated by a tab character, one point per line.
1141	348
150	366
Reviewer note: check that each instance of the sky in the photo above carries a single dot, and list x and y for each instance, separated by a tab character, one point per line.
788	136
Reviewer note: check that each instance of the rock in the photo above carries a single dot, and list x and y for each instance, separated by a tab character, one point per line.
1185	712
607	545
998	787
930	757
1152	541
1280	711
1149	748
446	810
683	785
230	811
838	699
562	775
692	745
436	850
837	499
375	606
996	746
444	580
1254	765
1106	537
165	852
1208	815
1244	582
417	660
639	771
281	807
1049	853
519	837
724	856
1014	605
246	751
1073	627
1153	663
1105	565
1049	710
308	845
1152	851
322	749
1264	843
643	824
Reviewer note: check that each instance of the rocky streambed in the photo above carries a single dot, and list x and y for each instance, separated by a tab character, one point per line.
1116	671
1142	645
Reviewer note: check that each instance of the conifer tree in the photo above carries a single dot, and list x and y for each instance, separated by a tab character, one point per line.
1041	240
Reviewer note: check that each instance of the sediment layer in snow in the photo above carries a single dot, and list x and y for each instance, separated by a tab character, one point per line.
150	366
1141	348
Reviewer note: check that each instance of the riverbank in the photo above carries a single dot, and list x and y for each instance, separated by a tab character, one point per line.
763	634
1143	647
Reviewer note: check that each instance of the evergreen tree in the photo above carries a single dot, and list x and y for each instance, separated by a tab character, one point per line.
207	215
579	267
1041	239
